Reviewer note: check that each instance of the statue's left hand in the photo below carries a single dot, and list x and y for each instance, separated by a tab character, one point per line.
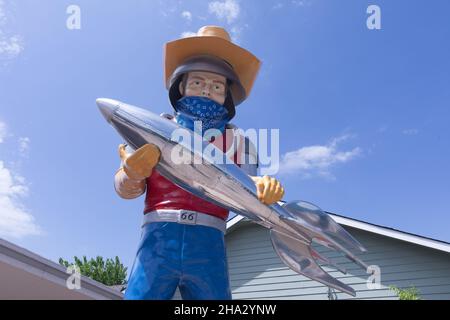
269	189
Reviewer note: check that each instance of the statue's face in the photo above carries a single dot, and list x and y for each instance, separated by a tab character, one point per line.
205	84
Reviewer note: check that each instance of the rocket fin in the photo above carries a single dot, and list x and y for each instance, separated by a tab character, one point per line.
297	256
322	221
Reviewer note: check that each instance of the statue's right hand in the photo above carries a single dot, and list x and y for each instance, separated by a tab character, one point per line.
139	164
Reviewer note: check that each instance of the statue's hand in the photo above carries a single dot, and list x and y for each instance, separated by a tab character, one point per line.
139	165
269	189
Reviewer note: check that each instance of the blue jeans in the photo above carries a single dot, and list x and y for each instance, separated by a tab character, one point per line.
170	254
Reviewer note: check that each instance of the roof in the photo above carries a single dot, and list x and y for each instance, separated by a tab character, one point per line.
234	222
26	275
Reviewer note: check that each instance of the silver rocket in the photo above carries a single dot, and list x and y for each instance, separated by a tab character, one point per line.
294	226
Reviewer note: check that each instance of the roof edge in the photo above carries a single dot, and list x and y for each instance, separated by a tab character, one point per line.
234	222
52	271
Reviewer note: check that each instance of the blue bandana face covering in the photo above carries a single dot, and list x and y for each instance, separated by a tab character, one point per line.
209	112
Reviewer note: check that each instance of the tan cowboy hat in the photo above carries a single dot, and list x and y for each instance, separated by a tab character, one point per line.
215	41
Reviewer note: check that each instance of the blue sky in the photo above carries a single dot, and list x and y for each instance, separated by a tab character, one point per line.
362	113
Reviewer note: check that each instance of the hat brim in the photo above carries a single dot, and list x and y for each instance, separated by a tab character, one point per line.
244	63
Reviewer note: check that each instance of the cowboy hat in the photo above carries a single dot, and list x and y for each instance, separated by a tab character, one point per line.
213	41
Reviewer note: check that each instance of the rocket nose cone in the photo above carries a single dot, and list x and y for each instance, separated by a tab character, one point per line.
107	107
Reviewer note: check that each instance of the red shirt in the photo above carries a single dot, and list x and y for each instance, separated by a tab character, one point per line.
164	194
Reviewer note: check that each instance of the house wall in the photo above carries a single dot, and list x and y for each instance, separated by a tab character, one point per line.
256	272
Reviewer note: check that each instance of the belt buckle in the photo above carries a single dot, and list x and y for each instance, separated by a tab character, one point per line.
187	217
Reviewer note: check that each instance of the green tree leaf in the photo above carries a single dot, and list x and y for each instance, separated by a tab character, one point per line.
110	272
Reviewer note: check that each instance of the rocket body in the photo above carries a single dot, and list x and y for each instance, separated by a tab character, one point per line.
209	174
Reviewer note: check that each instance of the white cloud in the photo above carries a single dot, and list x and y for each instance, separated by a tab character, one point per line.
236	33
15	220
168	7
24	145
187	15
410	132
188	34
278	5
300	3
11	45
2	12
317	159
228	9
2	131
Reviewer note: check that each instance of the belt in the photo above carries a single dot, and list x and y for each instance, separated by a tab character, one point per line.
185	217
